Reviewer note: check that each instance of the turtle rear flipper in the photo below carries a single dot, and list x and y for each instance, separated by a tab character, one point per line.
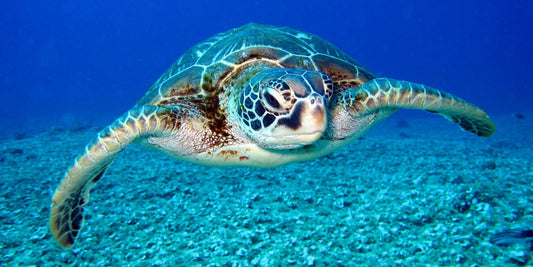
66	216
383	93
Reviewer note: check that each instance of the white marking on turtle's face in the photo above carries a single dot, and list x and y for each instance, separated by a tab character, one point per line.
285	108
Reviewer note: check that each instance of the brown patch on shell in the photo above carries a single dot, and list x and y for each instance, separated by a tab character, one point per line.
298	62
345	84
186	83
214	76
345	75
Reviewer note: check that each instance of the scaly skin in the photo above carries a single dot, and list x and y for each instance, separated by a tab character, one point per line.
383	93
72	194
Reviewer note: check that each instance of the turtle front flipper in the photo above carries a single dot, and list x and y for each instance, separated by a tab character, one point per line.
387	95
66	214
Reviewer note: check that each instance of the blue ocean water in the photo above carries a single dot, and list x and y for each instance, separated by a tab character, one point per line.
66	63
419	195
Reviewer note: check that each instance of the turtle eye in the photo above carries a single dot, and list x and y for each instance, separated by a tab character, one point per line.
271	100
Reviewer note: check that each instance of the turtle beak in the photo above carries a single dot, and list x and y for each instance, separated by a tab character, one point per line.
306	124
314	121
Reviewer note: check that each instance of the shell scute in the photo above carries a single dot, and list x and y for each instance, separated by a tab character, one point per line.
298	62
256	52
233	57
343	73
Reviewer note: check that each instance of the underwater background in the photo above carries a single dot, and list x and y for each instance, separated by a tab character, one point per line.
66	63
415	190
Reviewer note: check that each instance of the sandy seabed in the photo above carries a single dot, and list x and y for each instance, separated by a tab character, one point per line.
415	192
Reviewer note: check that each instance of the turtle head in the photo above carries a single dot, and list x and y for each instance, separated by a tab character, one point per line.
285	108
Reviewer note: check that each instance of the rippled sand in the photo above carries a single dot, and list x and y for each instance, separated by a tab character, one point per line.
408	193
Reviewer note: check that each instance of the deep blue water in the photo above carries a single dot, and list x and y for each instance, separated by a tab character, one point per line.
66	62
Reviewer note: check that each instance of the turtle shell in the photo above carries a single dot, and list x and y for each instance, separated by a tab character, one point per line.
210	67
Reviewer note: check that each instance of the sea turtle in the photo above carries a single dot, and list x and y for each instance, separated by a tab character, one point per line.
257	95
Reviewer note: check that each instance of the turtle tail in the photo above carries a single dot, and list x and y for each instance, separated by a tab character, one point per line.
66	216
384	93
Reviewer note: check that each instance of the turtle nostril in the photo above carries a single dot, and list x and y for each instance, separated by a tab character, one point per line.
316	100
